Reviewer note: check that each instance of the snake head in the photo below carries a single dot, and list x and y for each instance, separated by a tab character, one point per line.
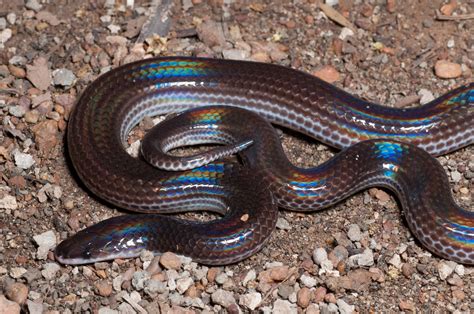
110	239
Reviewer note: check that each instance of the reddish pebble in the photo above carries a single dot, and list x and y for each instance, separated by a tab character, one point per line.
7	306
279	273
170	261
291	24
406	305
17	292
327	73
391	5
303	297
446	69
448	8
319	294
212	274
330	298
104	288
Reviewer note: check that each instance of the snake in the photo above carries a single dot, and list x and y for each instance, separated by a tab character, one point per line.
247	176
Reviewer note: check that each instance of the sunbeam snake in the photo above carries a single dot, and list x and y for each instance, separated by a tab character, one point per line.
381	146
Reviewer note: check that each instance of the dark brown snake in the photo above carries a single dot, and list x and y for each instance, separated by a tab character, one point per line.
382	146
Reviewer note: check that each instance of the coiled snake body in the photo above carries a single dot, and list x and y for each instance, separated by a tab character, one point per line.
381	147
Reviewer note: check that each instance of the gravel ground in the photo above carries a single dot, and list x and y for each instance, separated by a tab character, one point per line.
357	256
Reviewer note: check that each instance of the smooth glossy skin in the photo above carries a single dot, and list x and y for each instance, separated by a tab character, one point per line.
117	101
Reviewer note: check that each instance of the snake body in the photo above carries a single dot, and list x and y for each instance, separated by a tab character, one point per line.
247	193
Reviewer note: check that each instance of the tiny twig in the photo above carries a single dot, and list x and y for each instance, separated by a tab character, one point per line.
335	16
442	17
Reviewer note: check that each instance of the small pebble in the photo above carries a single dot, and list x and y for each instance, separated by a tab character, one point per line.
344	308
183	284
7	306
456	176
211	33
366	258
5	35
319	294
17	292
445	269
279	273
327	73
320	255
11	18
49	270
154	287
303	297
284	307
8	202
251	275
284	291
33	5
17	272
406	305
104	288
346	32
45	241
139	278
170	261
396	261
308	281
63	77
222	297
22	160
408	270
283	224
235	54
354	233
426	96
3	23
250	300
447	70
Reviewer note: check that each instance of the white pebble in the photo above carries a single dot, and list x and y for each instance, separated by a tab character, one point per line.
456	176
308	281
5	35
107	310
11	18
17	272
284	307
222	297
344	308
450	43
23	161
50	270
354	233
345	32
183	284
250	300
426	96
251	275
320	255
460	270
446	268
283	224
114	29
3	23
396	261
46	241
331	2
8	202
